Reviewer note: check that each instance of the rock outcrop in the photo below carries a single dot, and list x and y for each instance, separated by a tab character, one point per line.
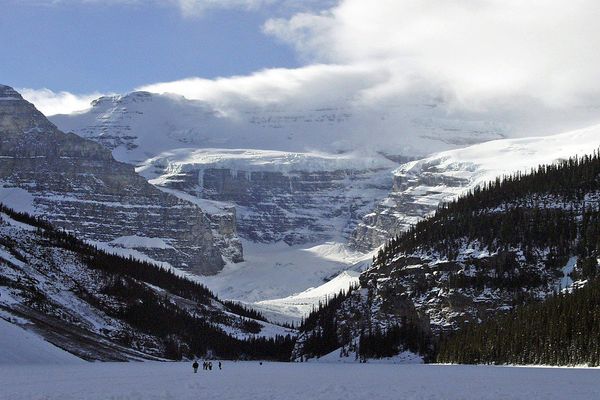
416	193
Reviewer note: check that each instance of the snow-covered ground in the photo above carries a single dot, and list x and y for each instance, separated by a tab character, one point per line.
285	282
294	381
277	270
484	162
21	347
293	308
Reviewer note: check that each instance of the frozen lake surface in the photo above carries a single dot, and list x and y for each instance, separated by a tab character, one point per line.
312	381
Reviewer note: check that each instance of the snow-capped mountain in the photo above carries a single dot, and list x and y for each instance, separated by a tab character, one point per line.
140	124
420	186
301	176
77	185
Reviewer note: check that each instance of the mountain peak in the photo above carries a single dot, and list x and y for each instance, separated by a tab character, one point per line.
8	93
133	97
17	115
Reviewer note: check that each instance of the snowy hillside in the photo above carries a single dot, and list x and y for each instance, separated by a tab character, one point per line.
284	282
420	186
21	347
294	308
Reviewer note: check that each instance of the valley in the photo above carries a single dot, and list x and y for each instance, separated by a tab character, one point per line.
287	230
319	199
272	204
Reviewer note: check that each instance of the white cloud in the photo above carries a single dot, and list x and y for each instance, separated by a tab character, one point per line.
51	103
315	84
531	65
485	56
476	49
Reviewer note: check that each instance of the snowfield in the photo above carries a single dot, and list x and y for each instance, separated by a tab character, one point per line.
481	163
21	347
249	380
285	282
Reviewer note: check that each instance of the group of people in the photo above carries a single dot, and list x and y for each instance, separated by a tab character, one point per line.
206	365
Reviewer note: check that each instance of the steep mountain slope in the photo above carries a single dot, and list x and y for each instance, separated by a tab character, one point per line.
420	186
77	185
515	240
103	307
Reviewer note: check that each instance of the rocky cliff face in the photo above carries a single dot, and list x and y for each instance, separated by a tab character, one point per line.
414	195
444	293
76	184
295	206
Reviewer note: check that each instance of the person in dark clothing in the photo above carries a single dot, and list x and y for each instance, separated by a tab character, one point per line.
220	365
195	366
210	365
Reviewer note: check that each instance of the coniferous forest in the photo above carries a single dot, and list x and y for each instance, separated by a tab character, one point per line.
562	330
325	330
321	327
554	207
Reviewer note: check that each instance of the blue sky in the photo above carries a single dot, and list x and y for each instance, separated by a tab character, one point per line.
81	47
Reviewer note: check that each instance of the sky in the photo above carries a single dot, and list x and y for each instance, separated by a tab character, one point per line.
86	46
513	60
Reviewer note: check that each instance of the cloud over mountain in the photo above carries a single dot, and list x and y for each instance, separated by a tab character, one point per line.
527	64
